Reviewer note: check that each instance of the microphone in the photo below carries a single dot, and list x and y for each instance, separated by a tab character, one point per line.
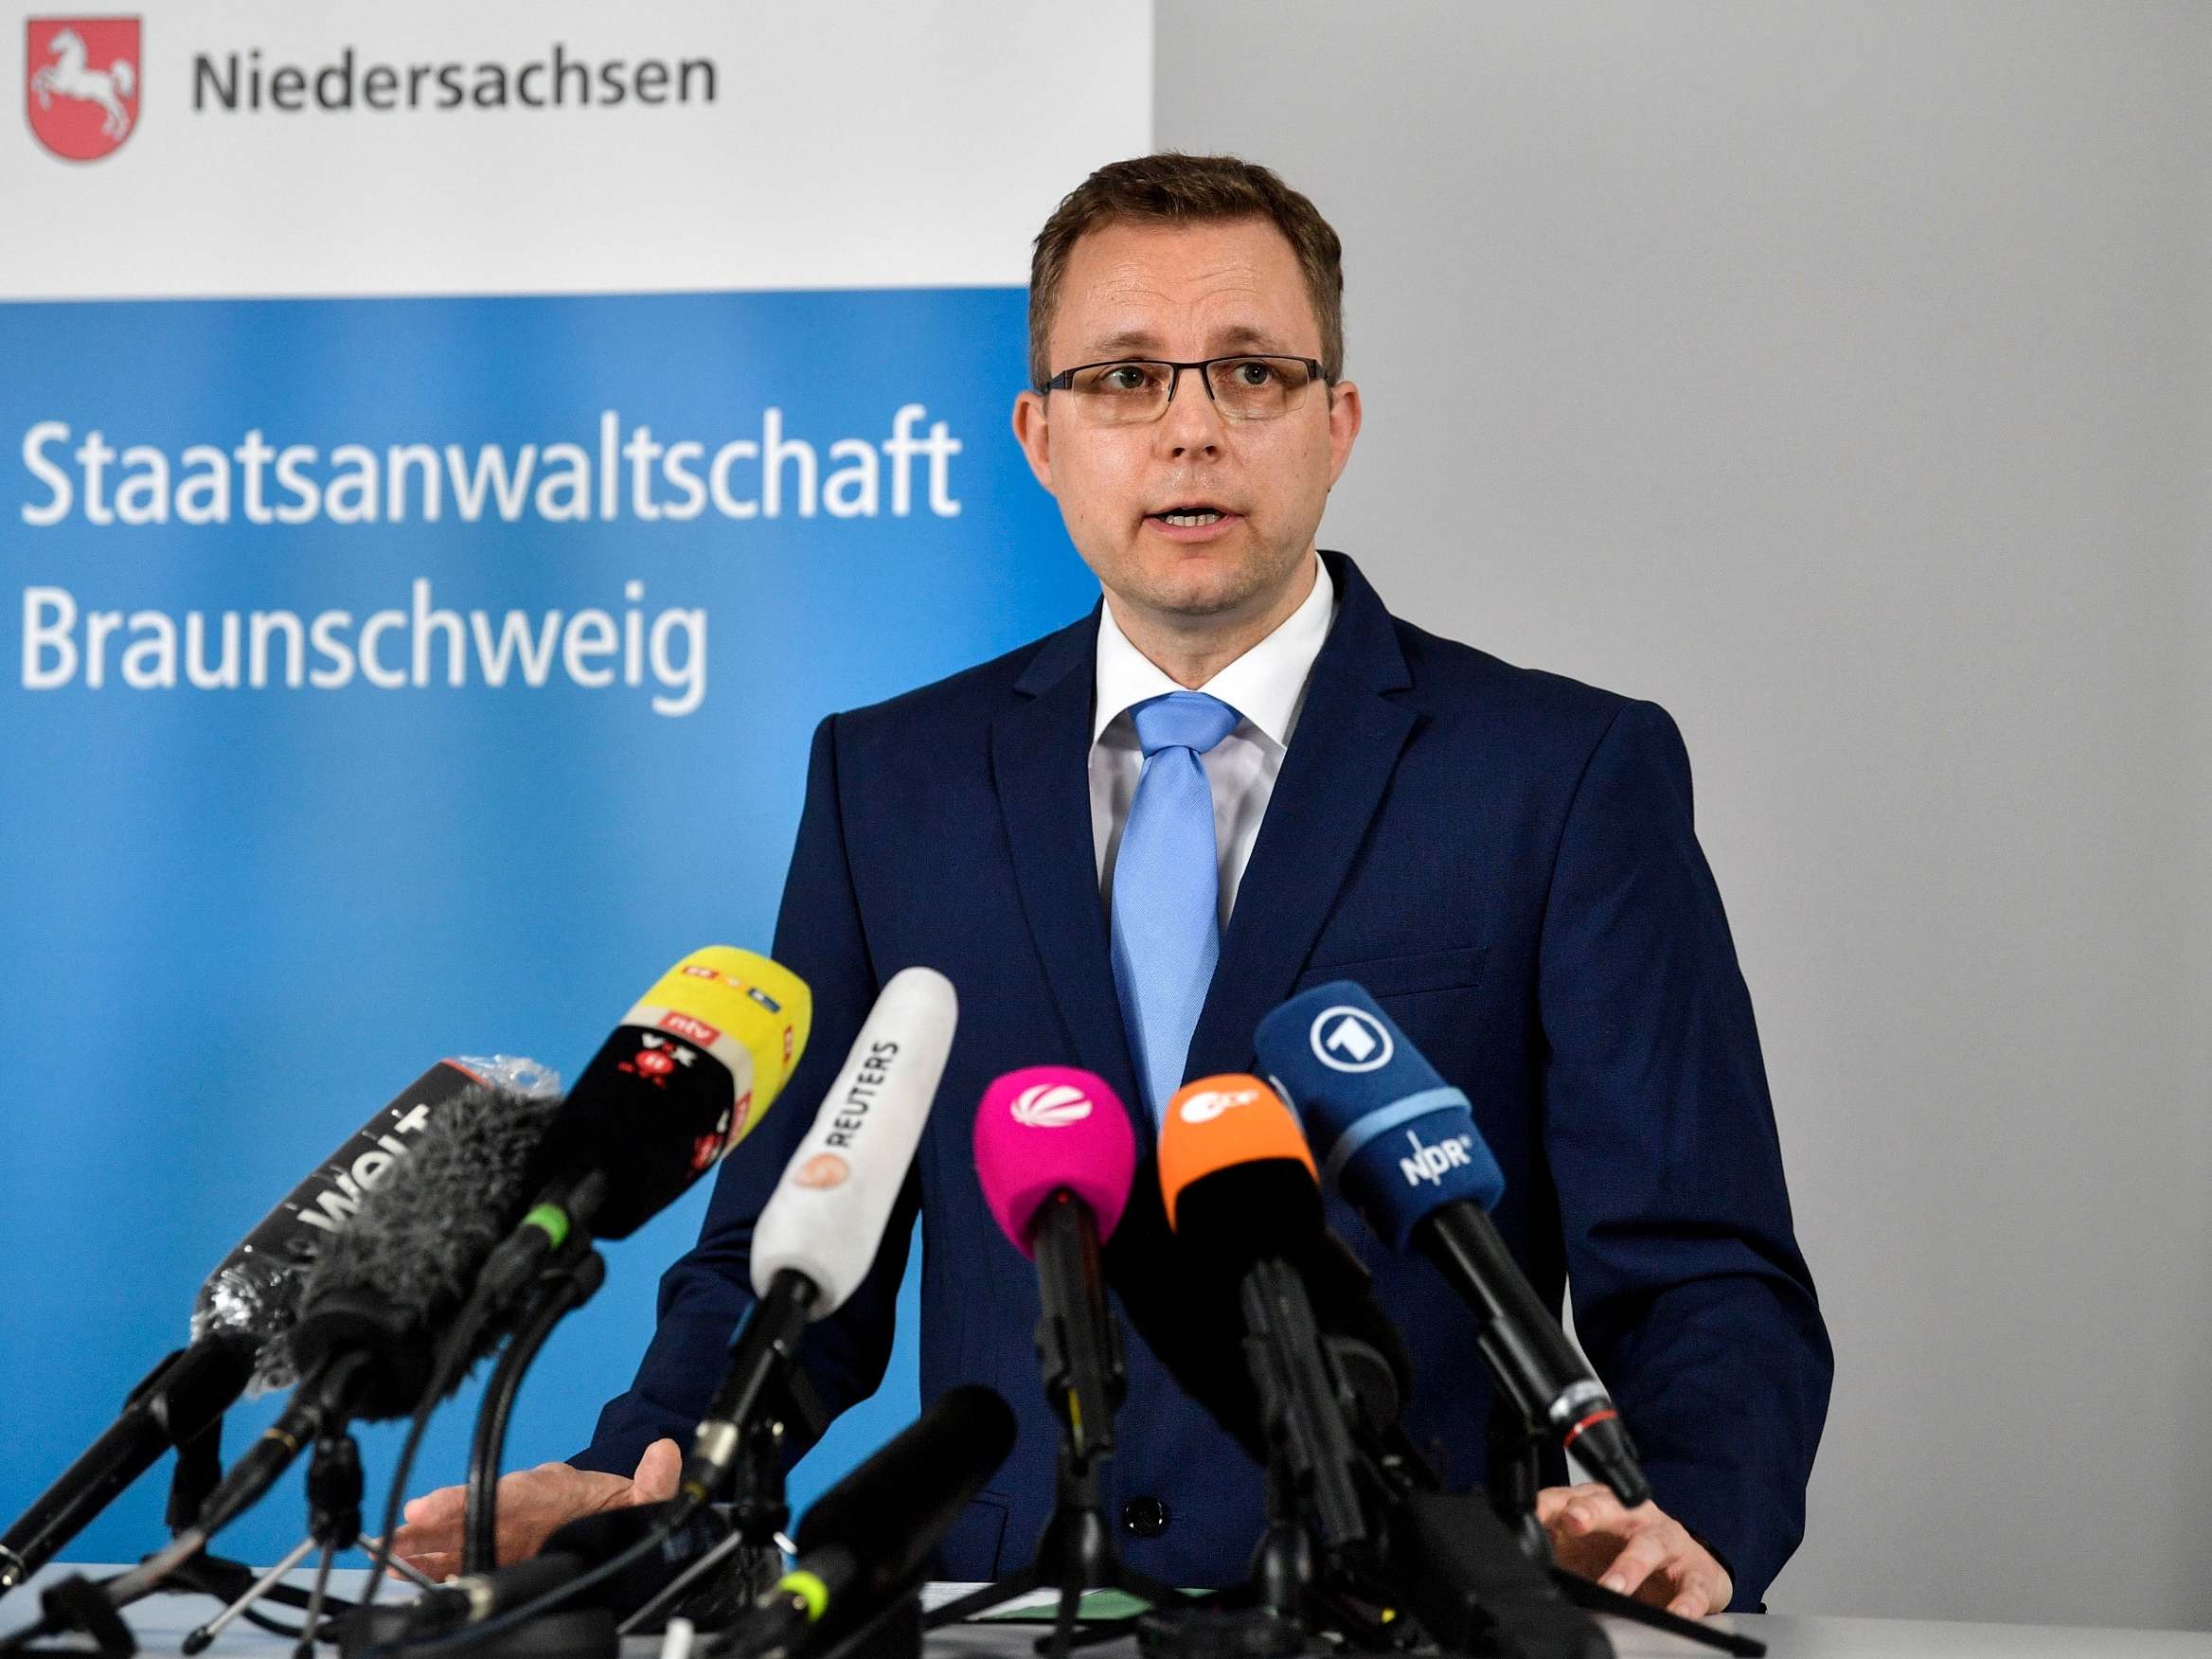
819	1232
378	1296
695	1064
867	1538
1403	1146
1191	1320
243	1310
1239	1184
1055	1157
691	1068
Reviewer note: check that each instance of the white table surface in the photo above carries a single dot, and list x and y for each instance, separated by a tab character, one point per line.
162	1622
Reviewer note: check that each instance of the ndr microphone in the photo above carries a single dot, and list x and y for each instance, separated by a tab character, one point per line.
1403	1146
1055	1157
820	1230
692	1067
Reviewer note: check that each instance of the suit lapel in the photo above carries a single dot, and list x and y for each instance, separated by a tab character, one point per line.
1040	757
1340	762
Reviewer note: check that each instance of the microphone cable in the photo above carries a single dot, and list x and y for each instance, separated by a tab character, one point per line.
573	1279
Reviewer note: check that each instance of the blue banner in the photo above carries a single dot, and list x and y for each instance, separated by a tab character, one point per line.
397	678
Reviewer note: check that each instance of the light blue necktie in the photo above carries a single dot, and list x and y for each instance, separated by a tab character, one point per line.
1167	888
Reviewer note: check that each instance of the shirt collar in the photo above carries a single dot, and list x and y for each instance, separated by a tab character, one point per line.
1266	684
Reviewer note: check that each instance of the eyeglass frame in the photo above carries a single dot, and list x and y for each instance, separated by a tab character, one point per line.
1064	379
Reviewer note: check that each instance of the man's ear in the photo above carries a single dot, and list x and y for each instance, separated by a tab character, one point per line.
1343	426
1033	432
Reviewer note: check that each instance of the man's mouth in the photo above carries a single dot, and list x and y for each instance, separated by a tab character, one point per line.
1189	516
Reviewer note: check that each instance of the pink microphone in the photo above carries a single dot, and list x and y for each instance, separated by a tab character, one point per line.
1049	1128
1055	1155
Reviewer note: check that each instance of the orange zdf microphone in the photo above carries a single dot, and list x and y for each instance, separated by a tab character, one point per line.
1238	1184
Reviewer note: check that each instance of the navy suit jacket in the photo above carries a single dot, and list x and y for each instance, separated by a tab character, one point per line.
1506	860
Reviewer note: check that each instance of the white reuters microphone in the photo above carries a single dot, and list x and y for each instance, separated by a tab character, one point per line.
821	1229
826	1216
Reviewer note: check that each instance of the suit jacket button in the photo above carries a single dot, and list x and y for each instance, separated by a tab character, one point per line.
1144	1517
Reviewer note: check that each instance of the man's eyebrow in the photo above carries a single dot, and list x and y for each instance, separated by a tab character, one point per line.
1244	337
1125	343
1142	342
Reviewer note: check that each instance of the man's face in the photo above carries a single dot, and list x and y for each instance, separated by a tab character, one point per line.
1183	294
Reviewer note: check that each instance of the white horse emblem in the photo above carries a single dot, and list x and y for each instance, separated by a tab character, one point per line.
70	75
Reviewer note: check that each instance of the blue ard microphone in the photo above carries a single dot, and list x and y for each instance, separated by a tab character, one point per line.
1400	1144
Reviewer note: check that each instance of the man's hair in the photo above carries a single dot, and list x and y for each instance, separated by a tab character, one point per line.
1174	189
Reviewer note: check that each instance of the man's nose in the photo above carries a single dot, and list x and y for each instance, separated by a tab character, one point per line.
1191	423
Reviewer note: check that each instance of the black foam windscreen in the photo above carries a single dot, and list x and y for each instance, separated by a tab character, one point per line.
393	1280
1245	1213
1179	1286
895	1509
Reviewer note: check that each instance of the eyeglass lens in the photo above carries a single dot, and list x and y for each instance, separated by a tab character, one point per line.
1245	388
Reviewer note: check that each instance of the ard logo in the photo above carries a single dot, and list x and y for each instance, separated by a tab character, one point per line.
80	83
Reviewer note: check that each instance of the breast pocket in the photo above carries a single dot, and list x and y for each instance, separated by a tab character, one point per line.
1457	967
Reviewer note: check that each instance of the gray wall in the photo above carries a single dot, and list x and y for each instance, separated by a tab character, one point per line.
1837	376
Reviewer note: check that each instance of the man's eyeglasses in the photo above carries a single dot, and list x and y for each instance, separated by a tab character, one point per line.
1133	390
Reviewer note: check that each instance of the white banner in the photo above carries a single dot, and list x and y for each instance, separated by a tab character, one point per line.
420	147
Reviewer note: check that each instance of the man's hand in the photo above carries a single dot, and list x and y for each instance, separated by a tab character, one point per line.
1639	1552
534	1504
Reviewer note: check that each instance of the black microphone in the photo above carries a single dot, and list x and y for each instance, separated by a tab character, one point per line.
866	1539
689	1071
1402	1146
243	1310
1193	1328
1242	1194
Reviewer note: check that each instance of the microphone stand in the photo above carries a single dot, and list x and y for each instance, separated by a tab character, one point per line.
213	1576
333	1496
1514	1475
759	1511
1076	1551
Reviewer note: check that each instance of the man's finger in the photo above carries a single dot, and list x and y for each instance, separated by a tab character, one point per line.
657	1472
433	1507
412	1540
1643	1555
1695	1601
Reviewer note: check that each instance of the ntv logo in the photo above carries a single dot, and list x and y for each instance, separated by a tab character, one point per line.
81	83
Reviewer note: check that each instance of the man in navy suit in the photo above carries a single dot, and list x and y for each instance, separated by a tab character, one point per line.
1505	858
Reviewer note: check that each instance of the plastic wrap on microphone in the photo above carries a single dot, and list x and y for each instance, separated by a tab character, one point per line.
253	1295
1393	1137
826	1216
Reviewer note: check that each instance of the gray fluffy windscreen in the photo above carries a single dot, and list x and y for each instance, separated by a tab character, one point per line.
422	1235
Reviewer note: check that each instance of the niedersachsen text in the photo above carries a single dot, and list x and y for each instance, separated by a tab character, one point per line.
241	83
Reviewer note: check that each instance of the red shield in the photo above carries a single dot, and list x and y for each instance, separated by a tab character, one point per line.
80	83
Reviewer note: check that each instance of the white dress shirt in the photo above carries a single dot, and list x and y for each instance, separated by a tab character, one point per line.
1266	687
